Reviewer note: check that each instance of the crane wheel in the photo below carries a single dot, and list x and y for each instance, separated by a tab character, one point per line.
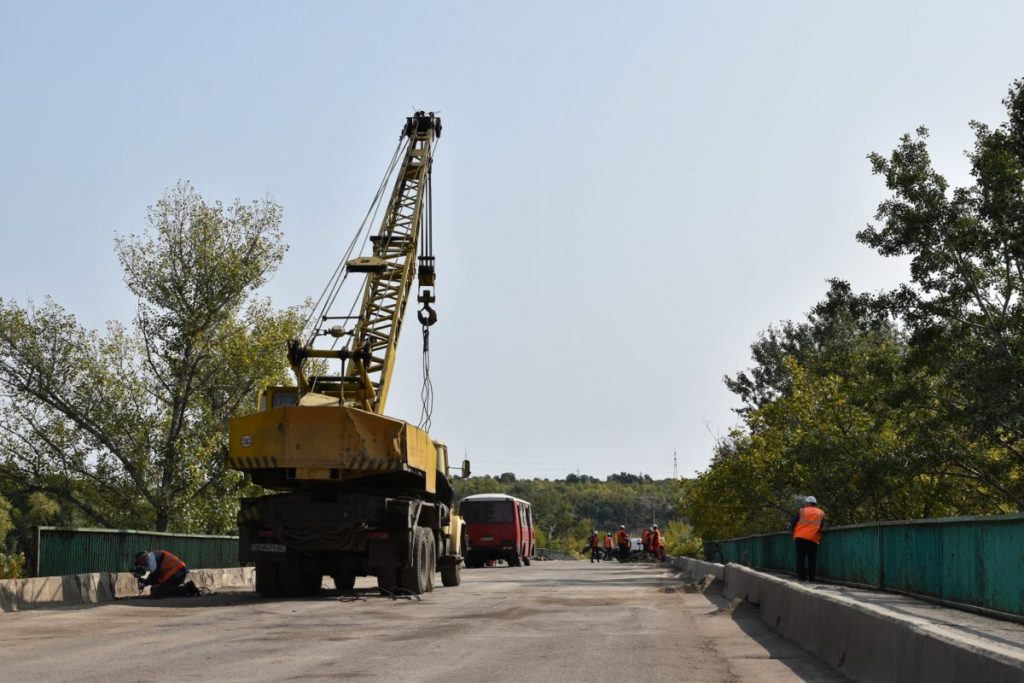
267	584
451	575
416	577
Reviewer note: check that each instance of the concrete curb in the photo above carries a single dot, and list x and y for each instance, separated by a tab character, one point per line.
865	642
85	589
693	570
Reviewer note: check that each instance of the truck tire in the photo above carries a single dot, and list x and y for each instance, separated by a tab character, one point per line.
296	580
451	575
415	577
388	579
432	560
267	585
344	582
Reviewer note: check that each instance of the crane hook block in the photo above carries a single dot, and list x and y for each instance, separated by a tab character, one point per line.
427	315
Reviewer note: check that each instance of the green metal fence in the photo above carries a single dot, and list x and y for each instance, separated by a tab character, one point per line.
60	551
975	561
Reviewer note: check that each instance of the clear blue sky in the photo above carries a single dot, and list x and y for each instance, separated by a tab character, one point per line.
625	193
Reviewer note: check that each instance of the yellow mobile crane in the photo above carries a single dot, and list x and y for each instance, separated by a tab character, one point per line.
360	494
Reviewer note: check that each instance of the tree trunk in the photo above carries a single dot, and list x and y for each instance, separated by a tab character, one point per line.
162	518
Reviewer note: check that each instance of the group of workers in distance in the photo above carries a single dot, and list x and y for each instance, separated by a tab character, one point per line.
652	541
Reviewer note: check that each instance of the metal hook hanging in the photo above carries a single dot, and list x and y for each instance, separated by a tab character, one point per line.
427	315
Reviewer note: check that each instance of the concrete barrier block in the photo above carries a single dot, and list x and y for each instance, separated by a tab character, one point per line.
77	589
869	643
43	590
93	588
231	577
693	570
8	593
743	583
71	590
123	585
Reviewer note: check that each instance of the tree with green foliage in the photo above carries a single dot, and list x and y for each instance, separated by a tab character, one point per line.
839	413
128	427
964	305
910	404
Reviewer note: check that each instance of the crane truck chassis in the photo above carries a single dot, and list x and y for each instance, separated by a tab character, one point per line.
359	493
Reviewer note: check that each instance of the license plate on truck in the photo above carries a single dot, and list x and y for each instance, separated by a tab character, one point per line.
267	547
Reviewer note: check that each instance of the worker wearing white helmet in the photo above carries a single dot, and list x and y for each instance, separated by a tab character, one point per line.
595	546
807	525
657	543
622	540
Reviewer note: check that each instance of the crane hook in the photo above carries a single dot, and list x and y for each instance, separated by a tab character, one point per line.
427	315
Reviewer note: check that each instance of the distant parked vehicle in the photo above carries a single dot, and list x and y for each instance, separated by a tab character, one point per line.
498	527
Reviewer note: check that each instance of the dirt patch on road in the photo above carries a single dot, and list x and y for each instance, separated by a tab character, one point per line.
585	602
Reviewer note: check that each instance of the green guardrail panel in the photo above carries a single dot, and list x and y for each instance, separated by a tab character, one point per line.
61	551
969	560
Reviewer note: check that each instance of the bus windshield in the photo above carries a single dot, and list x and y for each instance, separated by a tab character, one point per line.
488	512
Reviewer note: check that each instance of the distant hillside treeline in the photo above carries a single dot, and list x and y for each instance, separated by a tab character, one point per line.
566	510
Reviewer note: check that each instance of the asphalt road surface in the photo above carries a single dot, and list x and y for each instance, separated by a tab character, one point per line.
554	621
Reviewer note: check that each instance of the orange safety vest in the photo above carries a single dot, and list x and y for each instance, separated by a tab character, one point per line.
607	541
646	538
621	537
655	539
808	526
595	541
167	565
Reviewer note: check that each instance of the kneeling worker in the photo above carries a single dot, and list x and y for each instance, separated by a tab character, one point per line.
165	572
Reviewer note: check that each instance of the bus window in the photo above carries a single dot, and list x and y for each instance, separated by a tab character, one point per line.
489	512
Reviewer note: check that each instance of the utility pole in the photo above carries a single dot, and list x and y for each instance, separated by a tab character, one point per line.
675	465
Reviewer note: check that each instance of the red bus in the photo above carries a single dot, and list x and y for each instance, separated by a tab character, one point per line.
498	527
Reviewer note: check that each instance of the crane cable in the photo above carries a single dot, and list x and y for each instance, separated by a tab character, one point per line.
340	273
427	250
334	284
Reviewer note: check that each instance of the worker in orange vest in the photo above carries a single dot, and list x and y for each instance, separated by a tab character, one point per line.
164	572
608	544
657	544
595	546
622	540
645	540
807	525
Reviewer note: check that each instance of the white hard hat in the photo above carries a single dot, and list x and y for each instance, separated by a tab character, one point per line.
622	526
655	526
811	499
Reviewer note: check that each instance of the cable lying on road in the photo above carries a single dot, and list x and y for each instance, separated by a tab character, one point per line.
362	593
